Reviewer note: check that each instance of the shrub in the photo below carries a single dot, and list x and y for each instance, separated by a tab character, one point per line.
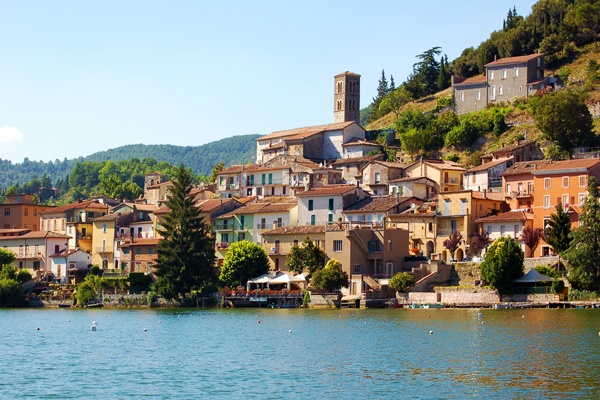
402	281
503	263
453	157
11	293
331	277
139	282
558	286
546	271
23	276
85	293
151	298
95	270
583	295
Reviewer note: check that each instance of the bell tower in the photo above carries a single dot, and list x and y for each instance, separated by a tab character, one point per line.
346	105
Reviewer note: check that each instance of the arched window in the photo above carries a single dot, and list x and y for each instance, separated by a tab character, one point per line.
339	88
354	104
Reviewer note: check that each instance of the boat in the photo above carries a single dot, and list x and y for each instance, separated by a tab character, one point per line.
64	306
433	306
502	306
416	306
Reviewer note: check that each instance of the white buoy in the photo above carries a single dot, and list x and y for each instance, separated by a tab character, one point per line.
160	322
145	329
94	328
365	322
94	323
431	332
290	331
523	316
482	322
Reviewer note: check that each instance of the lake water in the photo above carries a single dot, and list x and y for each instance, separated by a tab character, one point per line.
330	354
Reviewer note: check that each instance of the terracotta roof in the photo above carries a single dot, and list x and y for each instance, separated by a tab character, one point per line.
369	204
235	169
494	196
584	163
296	230
508	217
488	165
308	164
469	81
511	147
413	213
162	210
358	160
14	230
159	185
140	242
536	81
275	146
346	73
524	167
410	178
109	217
439	164
141	222
386	164
310	130
271	168
273	208
247	199
140	207
358	142
37	235
278	199
328	190
76	205
514	60
66	253
247	209
209	205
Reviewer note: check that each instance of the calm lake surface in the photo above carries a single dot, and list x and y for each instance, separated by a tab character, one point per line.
341	354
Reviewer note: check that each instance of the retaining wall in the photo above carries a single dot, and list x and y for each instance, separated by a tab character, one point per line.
323	300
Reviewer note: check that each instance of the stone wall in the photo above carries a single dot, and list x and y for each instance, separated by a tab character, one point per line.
323	300
467	296
423	298
530	263
530	298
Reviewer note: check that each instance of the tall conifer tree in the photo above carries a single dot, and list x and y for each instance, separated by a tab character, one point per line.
557	232
186	255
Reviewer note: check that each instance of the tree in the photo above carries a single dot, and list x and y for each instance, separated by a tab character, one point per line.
7	257
244	260
394	102
428	69
331	277
218	168
308	257
453	242
186	255
588	20
584	251
401	281
557	230
23	276
503	263
382	92
411	141
480	241
85	293
532	237
444	76
11	293
565	119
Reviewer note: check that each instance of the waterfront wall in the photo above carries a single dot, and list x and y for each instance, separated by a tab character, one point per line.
530	263
323	300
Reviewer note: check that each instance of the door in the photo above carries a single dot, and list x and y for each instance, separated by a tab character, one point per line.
58	271
389	270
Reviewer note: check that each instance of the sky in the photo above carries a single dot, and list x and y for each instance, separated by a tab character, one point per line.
80	77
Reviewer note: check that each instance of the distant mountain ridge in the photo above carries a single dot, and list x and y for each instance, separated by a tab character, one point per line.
233	150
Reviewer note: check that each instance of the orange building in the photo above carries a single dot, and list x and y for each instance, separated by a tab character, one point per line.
19	212
560	182
517	184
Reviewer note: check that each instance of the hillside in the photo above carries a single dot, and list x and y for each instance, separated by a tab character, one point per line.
232	150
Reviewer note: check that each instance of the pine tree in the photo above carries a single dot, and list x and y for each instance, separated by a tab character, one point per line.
584	252
392	84
186	254
557	232
382	92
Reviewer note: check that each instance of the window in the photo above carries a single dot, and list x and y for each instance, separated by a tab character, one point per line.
504	73
463	206
508	189
546	201
502	230
312	219
493	92
264	176
149	252
225	237
491	74
478	95
565	199
547	183
516	71
430	227
377	177
356	269
565	181
389	245
337	245
90	214
516	232
350	218
6	212
369	218
125	250
283	190
582	197
359	218
500	90
241	237
582	181
539	60
295	243
103	228
310	205
489	229
138	252
520	89
26	211
379	217
462	96
330	219
270	179
330	204
251	180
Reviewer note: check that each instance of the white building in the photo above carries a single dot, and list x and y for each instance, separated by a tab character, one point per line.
68	259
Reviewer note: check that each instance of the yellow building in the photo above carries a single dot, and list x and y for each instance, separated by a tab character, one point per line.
458	211
103	240
447	174
419	221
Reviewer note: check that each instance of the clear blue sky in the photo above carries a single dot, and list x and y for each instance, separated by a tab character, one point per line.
78	77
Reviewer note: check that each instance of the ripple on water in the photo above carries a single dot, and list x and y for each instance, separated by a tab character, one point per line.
210	353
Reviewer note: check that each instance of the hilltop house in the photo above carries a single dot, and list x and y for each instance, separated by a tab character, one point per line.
504	79
446	174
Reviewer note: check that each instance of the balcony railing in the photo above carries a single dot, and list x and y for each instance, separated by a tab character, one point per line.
451	181
448	232
102	250
522	193
223	227
269	226
87	236
221	246
35	254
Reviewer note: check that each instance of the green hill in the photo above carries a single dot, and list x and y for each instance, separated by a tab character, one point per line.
232	150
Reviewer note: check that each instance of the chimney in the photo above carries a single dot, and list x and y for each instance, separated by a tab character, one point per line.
484	193
495	57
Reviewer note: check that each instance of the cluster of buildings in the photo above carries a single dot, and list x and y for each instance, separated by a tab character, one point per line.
377	217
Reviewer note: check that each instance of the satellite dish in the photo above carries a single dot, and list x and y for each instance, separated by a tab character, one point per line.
412	205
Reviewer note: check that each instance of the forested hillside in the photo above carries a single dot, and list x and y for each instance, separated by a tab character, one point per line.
202	159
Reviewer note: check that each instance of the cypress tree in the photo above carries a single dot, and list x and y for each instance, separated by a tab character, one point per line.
186	254
557	232
382	92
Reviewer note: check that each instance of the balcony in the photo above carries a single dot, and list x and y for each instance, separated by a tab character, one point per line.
241	228
266	226
29	256
277	181
521	194
448	232
223	227
81	236
298	183
104	250
221	246
451	181
234	186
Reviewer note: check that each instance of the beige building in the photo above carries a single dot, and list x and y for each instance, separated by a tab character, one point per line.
279	241
352	167
421	187
420	222
33	250
325	204
376	176
447	174
376	210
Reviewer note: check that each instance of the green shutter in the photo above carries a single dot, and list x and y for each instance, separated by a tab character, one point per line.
312	219
263	178
310	205
330	217
330	204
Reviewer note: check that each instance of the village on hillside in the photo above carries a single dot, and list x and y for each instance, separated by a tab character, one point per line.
376	216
